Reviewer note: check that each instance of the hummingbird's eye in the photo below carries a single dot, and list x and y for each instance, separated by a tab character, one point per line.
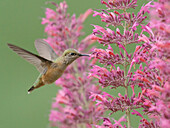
73	54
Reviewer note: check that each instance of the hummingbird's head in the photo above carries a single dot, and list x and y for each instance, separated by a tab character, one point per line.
71	54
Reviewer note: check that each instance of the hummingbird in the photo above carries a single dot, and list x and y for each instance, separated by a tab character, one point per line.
50	66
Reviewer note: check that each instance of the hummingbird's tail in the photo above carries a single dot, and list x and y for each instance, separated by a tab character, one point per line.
31	89
40	83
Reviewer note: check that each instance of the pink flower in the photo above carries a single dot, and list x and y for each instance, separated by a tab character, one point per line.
153	61
72	106
147	67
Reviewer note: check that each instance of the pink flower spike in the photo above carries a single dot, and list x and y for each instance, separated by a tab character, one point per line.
72	104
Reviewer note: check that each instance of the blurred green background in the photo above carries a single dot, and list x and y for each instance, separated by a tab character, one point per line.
20	24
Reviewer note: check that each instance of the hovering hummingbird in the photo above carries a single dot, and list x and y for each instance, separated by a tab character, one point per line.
48	64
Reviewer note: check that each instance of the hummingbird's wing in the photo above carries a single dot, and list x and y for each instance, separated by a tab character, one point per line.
45	50
39	62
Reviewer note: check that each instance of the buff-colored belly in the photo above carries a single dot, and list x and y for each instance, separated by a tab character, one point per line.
52	75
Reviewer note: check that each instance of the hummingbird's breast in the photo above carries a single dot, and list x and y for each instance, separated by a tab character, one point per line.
54	72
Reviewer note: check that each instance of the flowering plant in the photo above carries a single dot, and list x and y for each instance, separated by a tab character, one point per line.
151	54
71	107
145	67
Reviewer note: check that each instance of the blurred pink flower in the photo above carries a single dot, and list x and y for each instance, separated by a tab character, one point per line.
72	106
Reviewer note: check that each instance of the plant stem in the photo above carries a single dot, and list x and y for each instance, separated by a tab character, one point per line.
125	76
126	91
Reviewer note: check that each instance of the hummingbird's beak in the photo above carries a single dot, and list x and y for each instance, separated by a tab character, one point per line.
84	55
